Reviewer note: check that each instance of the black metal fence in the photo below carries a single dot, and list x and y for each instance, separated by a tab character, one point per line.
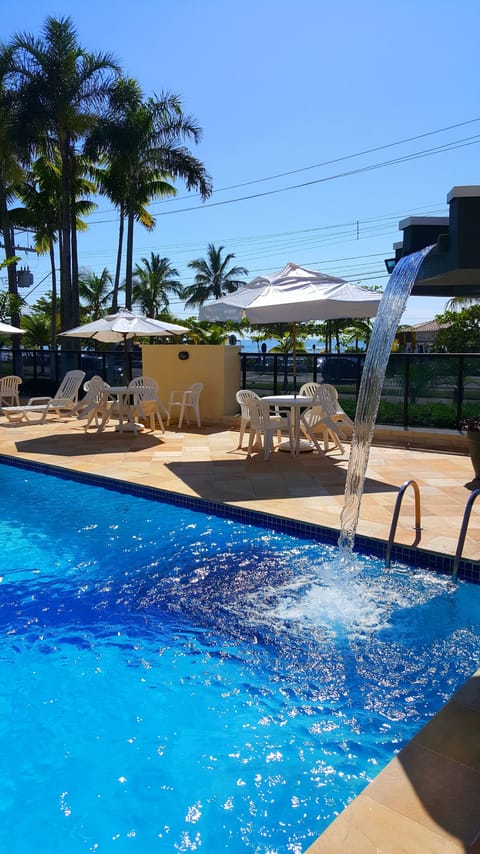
431	390
42	370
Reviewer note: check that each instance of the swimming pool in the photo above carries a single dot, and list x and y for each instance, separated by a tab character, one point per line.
173	680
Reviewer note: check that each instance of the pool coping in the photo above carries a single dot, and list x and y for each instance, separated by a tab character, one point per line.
426	798
468	570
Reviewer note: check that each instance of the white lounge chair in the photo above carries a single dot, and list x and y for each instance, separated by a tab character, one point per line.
146	402
318	417
266	425
329	396
188	401
64	402
9	391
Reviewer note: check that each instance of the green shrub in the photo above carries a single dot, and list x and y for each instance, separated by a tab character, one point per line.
390	413
439	415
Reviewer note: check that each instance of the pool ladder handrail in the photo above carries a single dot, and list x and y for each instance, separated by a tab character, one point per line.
396	513
463	533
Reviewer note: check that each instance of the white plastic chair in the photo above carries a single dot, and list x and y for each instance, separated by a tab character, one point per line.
146	402
242	397
318	416
188	402
266	425
9	390
309	389
64	402
96	405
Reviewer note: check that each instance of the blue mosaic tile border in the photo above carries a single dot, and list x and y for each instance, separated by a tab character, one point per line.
468	570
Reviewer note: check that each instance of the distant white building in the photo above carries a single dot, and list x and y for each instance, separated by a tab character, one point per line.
425	334
417	339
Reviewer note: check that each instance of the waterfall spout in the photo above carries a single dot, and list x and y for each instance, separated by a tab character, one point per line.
389	313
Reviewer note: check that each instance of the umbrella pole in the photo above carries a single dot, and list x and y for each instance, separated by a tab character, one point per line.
294	357
126	361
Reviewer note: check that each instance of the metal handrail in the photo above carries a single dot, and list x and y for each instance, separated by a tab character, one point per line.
463	533
396	514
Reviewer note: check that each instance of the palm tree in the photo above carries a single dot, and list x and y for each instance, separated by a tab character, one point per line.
10	304
152	283
460	303
110	183
61	89
143	141
204	332
110	173
11	172
286	343
96	293
358	331
41	195
212	278
38	330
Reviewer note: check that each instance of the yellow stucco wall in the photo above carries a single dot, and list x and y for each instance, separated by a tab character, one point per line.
217	367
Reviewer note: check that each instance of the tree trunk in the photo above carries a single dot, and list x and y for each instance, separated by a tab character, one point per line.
9	243
116	284
129	259
53	340
66	309
8	239
75	319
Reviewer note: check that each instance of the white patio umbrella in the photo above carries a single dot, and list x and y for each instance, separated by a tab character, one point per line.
123	325
292	295
6	329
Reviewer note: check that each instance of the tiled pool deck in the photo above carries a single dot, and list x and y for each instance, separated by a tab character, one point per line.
428	798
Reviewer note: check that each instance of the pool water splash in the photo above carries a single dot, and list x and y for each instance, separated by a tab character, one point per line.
346	598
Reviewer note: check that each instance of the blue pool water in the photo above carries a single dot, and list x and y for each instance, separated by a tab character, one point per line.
173	681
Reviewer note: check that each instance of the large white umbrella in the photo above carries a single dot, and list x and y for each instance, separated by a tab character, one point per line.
6	329
292	295
123	325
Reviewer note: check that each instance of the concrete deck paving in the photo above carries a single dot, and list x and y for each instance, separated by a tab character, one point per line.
406	808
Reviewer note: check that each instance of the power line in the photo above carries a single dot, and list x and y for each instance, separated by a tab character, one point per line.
325	163
290	242
406	158
335	160
387	219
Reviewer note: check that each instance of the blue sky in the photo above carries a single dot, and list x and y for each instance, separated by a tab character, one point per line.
280	88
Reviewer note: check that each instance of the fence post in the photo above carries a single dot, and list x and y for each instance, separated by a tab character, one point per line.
460	387
406	388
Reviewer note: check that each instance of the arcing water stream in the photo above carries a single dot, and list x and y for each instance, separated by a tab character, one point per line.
389	313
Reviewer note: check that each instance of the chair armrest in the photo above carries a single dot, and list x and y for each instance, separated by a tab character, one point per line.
36	400
176	396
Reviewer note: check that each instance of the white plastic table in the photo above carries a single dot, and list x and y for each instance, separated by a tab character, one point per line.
125	421
295	402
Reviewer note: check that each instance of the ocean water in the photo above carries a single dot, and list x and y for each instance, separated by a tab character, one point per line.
174	681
